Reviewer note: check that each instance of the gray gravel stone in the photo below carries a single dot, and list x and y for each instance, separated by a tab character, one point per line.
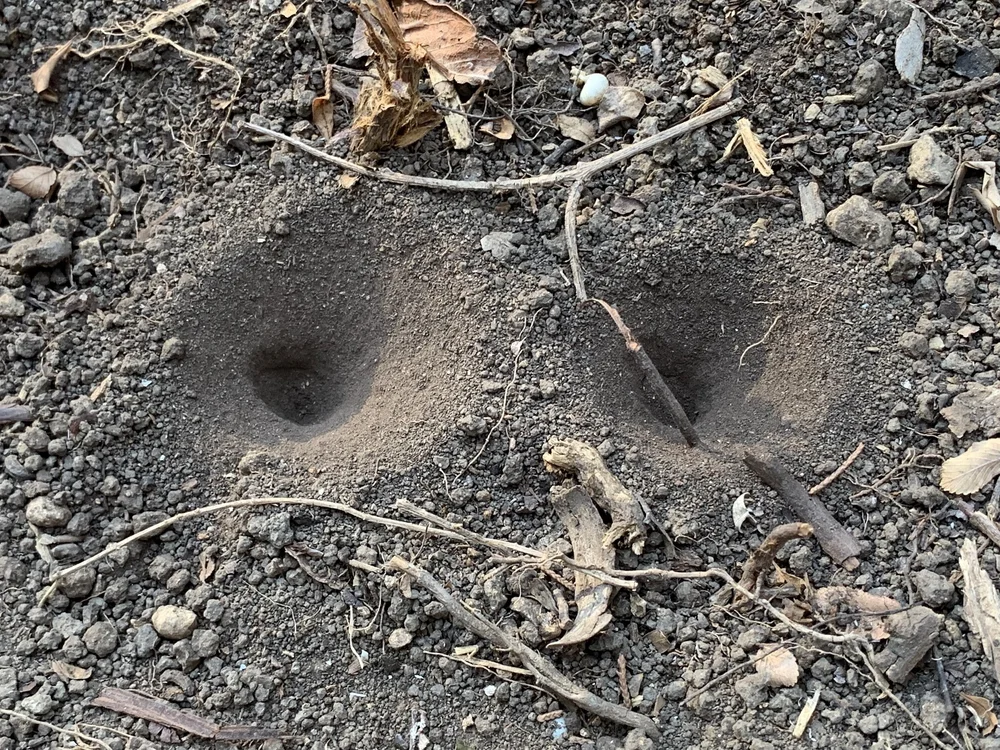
79	583
205	643
858	222
752	688
868	81
904	264
47	514
913	344
39	251
929	164
101	638
933	712
173	349
934	589
10	306
146	640
14	205
8	684
273	528
65	625
79	195
891	186
174	623
41	703
961	285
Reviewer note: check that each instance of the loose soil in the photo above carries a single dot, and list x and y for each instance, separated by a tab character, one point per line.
265	332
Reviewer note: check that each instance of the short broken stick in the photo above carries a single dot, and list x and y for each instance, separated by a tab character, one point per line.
838	471
835	540
979	520
973	87
760	559
663	393
14	413
544	671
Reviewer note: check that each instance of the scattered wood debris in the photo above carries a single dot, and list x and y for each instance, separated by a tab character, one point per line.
981	607
544	672
587	532
653	378
816	489
762	558
584	462
835	540
10	413
912	633
751	143
168	715
805	716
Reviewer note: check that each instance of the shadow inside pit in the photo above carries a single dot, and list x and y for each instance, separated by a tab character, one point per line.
694	327
285	337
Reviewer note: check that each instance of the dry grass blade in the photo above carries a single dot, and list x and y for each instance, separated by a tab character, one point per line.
35	181
806	715
750	141
156	20
969	472
981	607
448	40
41	79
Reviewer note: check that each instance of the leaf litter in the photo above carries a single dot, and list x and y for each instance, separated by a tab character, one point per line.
35	181
970	471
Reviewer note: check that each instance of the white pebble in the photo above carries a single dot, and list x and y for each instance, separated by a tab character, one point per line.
595	86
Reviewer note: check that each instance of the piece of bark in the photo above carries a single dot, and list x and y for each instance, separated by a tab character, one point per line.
813	210
761	559
979	520
981	607
14	413
583	461
835	540
582	520
653	378
911	635
168	715
545	673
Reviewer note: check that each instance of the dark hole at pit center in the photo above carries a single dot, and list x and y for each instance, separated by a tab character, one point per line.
295	382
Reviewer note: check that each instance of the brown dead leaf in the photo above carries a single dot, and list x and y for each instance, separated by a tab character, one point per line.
35	181
69	145
101	389
502	129
322	115
969	472
779	668
206	565
988	195
659	640
346	180
784	578
41	79
982	712
288	10
981	606
66	671
577	128
448	40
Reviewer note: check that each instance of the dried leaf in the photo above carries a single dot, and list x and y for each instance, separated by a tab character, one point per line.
783	577
981	606
101	389
969	472
754	148
35	181
740	511
288	10
502	129
41	79
811	7
577	128
982	712
206	565
989	195
68	671
322	115
978	408
156	20
910	48
346	180
448	40
659	640
69	145
779	668
806	715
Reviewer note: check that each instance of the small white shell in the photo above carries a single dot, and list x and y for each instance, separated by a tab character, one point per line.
595	86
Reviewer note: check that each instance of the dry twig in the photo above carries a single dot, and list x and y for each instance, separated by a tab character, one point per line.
839	470
761	342
761	558
973	87
541	668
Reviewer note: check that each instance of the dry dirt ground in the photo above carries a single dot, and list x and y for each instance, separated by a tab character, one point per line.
254	329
